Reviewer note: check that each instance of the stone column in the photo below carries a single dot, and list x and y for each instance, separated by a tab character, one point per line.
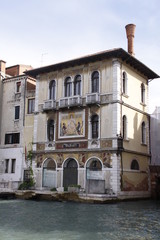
36	115
115	173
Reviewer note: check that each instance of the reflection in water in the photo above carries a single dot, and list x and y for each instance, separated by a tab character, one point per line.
23	220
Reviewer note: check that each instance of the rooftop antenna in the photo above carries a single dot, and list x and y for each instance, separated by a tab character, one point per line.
42	56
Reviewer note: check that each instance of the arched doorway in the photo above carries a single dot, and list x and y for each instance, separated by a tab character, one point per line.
70	172
95	182
49	174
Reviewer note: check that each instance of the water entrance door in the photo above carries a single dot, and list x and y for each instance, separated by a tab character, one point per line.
70	173
49	174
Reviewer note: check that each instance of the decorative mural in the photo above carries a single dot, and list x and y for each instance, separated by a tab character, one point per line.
81	159
71	124
106	157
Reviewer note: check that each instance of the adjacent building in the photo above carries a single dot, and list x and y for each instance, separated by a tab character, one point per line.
155	152
17	106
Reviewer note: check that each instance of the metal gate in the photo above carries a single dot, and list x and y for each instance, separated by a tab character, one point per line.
70	173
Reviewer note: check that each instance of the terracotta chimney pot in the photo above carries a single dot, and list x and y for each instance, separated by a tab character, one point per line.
130	30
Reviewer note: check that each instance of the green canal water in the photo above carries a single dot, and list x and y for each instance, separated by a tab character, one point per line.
31	220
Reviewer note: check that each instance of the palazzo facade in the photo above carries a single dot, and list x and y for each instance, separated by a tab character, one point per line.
91	126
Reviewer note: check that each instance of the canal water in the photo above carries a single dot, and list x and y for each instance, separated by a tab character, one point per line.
31	220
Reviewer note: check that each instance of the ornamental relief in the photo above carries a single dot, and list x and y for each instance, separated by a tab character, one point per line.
81	157
94	109
106	143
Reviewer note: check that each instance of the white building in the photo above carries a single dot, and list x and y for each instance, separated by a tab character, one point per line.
17	99
155	137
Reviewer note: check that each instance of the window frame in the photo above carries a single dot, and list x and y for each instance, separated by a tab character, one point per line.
94	126
49	127
31	105
52	89
68	87
134	165
143	133
95	82
124	83
142	93
6	170
77	84
95	165
18	87
17	113
124	127
13	165
12	138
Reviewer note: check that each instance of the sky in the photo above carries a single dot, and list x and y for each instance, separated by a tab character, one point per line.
44	32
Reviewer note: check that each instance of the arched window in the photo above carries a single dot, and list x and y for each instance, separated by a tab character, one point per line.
77	85
52	89
94	165
50	130
49	164
95	82
143	133
124	83
124	127
134	165
95	126
142	93
68	87
71	163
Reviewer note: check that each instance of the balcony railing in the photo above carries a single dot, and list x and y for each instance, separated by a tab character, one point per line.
70	101
92	98
49	105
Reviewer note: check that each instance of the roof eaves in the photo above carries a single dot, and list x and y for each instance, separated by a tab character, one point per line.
116	52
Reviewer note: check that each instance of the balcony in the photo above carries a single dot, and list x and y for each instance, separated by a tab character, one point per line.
92	98
49	105
70	101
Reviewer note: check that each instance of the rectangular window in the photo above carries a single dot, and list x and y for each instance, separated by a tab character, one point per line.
6	165
17	112
13	165
27	175
18	87
31	105
12	138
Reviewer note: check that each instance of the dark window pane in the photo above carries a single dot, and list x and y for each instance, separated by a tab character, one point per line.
52	90
6	165
12	138
50	130
95	82
124	127
95	165
68	87
31	105
95	126
13	165
77	85
142	93
143	133
17	112
134	165
124	82
18	87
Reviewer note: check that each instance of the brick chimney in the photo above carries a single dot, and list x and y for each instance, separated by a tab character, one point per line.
130	30
2	66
